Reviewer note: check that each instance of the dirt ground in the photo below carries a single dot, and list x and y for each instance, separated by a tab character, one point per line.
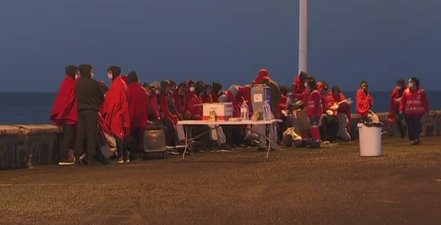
332	185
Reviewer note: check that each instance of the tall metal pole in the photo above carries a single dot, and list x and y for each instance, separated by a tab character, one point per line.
303	36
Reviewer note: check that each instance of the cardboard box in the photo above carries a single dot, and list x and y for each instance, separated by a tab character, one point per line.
224	111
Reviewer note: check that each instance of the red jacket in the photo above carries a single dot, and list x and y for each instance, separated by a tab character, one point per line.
395	103
299	89
207	98
154	111
245	94
343	108
414	102
364	103
194	106
65	105
181	103
116	110
138	105
263	74
165	111
315	105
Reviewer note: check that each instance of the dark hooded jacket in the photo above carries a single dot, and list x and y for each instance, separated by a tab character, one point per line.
88	91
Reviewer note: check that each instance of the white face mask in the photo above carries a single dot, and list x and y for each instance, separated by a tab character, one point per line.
110	76
92	75
192	89
157	92
411	85
77	76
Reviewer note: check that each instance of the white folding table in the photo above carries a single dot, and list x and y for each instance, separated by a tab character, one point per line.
188	123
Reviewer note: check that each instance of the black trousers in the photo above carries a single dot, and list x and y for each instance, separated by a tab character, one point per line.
400	125
66	141
171	134
329	128
135	143
86	133
235	135
414	127
121	147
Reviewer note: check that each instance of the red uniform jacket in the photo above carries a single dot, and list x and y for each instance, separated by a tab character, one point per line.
315	105
116	110
65	106
299	89
236	102
343	108
154	111
364	103
165	111
207	98
138	105
414	102
181	103
263	74
215	96
194	106
394	103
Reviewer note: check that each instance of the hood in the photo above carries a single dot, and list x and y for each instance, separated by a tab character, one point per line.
261	76
132	77
116	71
200	87
164	85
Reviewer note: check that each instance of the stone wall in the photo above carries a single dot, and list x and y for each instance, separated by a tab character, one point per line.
26	146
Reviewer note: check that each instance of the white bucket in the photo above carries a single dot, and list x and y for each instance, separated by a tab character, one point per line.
370	140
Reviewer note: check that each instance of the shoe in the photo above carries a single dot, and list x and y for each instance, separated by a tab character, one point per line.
315	144
126	160
67	162
415	142
101	159
120	160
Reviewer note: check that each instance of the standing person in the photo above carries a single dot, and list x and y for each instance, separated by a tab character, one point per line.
395	100
364	103
138	107
315	111
414	104
65	114
168	119
116	112
89	99
340	107
299	86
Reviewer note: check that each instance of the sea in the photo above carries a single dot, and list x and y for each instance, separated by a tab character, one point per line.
35	108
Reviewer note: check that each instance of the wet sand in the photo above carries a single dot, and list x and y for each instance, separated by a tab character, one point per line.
332	185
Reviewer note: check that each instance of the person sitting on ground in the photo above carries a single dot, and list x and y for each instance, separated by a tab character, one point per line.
64	113
338	106
364	103
395	99
414	105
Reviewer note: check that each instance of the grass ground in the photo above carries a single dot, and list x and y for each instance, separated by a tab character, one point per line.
332	185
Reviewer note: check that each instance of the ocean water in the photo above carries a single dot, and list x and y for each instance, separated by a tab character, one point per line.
34	108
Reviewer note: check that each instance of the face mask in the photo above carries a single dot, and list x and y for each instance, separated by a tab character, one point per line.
77	76
92	75
157	92
192	89
171	91
411	85
110	76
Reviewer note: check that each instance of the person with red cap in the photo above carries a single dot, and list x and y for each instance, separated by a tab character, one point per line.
89	99
394	109
414	105
116	112
64	113
138	107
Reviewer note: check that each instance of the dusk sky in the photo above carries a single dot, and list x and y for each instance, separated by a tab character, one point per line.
222	40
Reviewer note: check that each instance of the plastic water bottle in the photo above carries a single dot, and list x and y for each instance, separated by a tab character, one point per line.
244	115
266	111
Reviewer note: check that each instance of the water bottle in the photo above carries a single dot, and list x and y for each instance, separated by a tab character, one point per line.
244	115
266	111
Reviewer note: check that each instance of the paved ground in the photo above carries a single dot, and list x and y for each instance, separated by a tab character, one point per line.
328	186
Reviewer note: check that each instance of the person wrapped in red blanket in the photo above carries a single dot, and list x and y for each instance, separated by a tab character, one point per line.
116	113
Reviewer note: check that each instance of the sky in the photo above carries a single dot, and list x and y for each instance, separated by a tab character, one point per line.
220	40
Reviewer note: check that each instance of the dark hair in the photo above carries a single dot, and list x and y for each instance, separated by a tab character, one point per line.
71	70
85	70
283	89
363	82
132	77
312	83
415	81
303	76
335	89
401	82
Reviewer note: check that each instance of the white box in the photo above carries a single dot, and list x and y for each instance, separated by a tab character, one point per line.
224	111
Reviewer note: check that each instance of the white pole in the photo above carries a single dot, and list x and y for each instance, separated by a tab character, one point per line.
303	36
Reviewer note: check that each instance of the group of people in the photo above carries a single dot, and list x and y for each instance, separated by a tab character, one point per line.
92	114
